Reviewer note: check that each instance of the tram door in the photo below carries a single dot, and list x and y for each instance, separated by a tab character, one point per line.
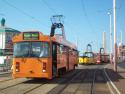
67	54
54	59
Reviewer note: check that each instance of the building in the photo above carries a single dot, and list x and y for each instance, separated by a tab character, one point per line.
121	52
6	45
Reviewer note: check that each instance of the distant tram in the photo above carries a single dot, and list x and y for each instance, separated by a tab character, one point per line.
102	57
80	59
42	56
89	58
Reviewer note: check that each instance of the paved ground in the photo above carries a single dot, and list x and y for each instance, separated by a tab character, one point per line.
86	79
118	78
5	72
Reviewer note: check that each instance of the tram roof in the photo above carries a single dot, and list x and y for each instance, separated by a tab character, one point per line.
56	38
63	41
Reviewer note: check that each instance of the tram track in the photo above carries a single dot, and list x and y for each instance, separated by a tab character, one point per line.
99	83
68	83
26	86
22	87
52	86
79	81
96	81
10	83
87	82
64	87
93	82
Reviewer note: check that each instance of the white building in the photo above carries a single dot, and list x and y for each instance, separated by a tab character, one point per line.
6	45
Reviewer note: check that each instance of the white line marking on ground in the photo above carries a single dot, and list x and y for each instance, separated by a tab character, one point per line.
113	85
111	91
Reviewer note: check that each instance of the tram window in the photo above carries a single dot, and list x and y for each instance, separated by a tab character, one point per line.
64	49
36	49
61	49
70	51
58	49
21	49
74	52
89	55
45	50
40	49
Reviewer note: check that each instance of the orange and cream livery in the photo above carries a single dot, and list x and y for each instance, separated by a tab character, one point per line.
42	56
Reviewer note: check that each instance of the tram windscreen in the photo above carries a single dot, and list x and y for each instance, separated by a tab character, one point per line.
89	54
31	49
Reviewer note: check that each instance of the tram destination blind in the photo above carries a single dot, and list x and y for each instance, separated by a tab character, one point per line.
30	36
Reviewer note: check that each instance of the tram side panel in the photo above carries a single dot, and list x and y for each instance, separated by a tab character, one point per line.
66	60
61	56
73	59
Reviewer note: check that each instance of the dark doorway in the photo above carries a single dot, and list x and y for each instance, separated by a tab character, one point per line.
54	59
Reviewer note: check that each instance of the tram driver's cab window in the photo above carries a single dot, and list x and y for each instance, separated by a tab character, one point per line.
44	50
40	49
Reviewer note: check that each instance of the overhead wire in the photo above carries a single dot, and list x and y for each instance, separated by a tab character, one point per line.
21	11
55	12
49	7
120	9
2	14
120	15
86	15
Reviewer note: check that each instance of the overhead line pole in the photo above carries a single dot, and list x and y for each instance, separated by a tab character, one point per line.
115	43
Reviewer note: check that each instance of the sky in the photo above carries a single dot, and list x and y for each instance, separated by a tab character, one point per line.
84	20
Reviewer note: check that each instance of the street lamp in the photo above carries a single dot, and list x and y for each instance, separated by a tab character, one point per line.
110	28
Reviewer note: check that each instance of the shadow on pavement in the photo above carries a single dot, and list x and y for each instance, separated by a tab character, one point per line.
114	76
122	65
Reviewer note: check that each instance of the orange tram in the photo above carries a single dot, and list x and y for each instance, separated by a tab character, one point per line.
42	56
